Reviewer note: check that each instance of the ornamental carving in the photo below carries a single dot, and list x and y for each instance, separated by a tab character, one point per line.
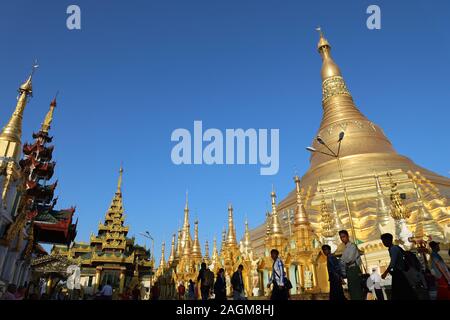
334	86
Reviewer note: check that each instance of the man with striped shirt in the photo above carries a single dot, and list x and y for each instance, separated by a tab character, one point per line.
277	279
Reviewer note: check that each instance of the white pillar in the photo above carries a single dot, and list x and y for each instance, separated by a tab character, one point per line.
3	254
17	271
9	266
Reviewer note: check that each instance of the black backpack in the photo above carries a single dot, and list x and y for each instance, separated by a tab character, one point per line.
287	283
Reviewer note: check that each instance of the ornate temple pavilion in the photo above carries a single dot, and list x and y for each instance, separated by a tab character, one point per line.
110	255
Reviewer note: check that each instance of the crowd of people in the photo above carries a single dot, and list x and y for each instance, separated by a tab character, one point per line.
410	279
216	289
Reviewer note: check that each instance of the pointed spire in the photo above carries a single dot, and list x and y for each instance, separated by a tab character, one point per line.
231	235
179	251
119	181
337	219
382	208
340	113
329	68
206	256
326	219
186	229
10	137
276	225
426	226
215	252
300	216
196	249
172	250
162	261
247	243
224	241
268	223
49	117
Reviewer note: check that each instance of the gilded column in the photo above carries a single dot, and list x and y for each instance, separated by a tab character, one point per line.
98	273
121	281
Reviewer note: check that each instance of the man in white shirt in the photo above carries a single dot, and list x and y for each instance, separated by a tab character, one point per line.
279	291
352	260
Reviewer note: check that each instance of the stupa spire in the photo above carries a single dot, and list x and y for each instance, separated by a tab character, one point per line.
275	221
172	250
119	181
162	261
10	137
49	117
231	235
425	224
341	114
196	249
300	216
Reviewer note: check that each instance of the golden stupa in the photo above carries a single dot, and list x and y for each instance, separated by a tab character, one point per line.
353	166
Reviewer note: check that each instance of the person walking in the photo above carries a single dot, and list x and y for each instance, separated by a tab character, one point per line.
278	278
181	291
204	278
401	289
238	284
107	291
431	284
191	290
440	271
374	284
335	276
352	260
220	289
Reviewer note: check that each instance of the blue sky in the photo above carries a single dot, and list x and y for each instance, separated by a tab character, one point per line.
138	70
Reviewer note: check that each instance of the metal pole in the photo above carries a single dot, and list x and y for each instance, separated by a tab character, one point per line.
347	204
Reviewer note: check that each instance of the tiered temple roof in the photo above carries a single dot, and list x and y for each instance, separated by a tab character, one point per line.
49	225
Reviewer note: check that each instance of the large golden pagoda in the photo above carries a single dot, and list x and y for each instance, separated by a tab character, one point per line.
353	167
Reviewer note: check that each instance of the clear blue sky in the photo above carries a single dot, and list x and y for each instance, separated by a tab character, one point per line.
140	69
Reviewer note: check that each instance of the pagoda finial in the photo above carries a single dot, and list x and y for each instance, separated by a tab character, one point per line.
172	250
300	216
12	132
49	117
329	67
246	235
186	206
119	182
276	225
231	236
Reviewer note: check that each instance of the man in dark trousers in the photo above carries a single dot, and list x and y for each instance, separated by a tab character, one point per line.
401	289
220	289
237	281
206	279
334	275
278	278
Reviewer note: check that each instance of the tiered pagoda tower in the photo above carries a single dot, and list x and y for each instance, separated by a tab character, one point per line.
49	225
111	255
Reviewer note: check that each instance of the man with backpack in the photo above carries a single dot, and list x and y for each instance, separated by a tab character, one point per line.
206	278
281	285
401	289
